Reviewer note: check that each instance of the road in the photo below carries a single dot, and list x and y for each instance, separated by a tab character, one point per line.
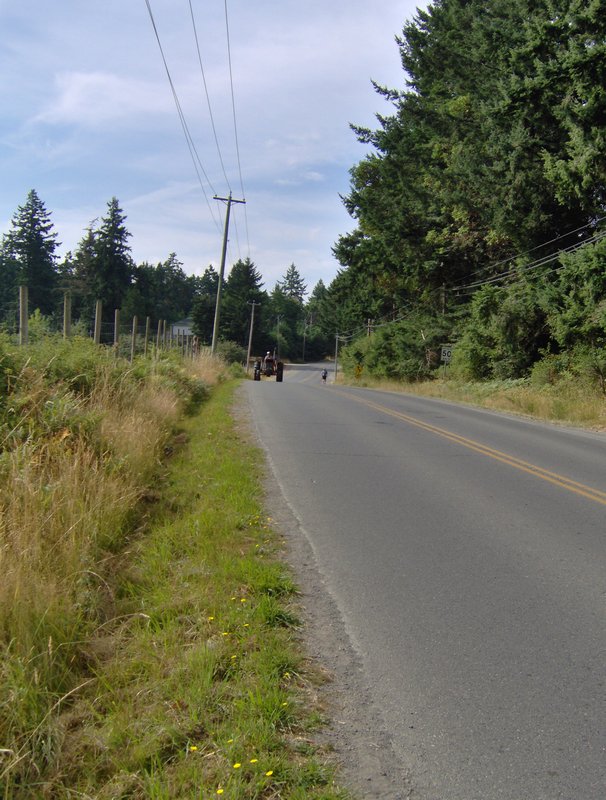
466	552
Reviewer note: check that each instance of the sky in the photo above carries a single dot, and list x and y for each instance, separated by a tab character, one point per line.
87	114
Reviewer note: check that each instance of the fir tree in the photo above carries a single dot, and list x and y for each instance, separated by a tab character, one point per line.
112	266
30	248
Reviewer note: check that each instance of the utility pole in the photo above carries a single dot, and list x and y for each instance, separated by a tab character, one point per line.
229	200
278	333
336	354
250	335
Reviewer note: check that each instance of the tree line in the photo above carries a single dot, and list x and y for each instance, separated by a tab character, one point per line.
101	268
479	207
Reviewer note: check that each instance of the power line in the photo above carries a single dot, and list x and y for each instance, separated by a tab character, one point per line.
470	288
537	247
210	111
188	137
233	106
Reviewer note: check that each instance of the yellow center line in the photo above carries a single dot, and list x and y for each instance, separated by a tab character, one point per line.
562	481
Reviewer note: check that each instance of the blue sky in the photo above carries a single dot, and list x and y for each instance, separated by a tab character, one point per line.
88	114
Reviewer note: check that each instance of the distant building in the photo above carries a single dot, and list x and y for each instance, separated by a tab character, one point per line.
184	327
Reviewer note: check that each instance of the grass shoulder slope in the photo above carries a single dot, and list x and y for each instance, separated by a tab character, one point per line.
148	625
202	687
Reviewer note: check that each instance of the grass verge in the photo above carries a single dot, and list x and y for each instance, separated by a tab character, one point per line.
199	687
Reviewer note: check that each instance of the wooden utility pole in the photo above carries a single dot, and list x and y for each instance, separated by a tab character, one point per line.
229	200
250	334
336	355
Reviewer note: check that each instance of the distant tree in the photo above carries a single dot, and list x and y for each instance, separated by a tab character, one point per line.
293	285
30	247
79	275
285	322
9	271
203	311
112	265
161	292
317	344
242	287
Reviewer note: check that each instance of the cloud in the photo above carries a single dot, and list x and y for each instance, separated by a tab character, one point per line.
98	98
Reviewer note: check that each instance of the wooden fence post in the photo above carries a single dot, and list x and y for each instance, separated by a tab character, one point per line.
98	313
147	325
116	328
67	315
23	315
133	341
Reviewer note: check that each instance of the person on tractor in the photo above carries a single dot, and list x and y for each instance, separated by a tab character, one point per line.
268	364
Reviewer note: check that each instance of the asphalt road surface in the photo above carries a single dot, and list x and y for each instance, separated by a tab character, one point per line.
466	552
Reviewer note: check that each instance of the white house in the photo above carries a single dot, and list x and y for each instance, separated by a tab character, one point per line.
182	328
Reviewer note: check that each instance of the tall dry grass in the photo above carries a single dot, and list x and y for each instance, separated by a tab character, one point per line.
74	464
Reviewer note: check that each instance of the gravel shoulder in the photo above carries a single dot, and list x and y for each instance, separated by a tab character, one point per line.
356	731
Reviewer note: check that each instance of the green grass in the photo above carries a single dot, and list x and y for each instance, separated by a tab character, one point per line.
201	668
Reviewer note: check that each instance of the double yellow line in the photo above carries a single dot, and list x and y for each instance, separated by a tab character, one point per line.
561	481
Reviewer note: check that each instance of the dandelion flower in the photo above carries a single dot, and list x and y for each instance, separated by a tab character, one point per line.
192	748
254	760
269	773
220	791
237	765
229	741
243	600
210	619
234	657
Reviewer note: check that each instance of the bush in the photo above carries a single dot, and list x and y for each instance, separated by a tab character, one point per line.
231	352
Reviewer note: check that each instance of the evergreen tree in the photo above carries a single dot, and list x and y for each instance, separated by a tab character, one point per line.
242	287
112	267
31	245
9	272
81	276
203	311
293	285
284	321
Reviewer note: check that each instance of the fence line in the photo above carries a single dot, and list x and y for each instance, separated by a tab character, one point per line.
105	333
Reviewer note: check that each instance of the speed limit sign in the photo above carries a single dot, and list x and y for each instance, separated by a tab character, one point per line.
446	354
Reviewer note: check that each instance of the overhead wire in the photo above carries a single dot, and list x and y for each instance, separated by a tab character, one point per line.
210	111
188	137
529	267
538	246
235	123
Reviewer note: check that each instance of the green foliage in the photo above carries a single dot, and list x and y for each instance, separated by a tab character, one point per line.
406	350
242	288
231	352
112	266
494	146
